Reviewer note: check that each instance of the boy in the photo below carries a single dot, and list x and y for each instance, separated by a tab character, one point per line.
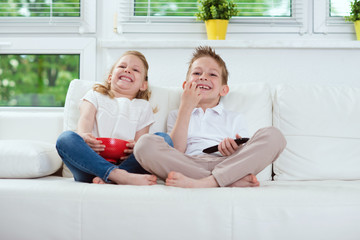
200	122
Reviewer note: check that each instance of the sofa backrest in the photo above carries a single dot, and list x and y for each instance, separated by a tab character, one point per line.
252	100
321	126
31	124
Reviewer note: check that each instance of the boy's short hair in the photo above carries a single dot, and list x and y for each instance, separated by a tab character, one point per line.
206	51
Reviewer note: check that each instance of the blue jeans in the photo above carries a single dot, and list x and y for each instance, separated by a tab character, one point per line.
85	163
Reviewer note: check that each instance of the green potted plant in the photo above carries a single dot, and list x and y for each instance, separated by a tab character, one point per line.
216	15
355	17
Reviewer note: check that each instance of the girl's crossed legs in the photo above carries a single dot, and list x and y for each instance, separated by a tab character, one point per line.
88	166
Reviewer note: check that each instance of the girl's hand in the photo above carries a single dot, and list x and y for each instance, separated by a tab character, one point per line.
228	146
90	140
191	97
130	148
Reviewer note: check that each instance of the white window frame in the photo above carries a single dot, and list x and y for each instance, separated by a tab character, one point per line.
86	47
325	24
295	24
86	23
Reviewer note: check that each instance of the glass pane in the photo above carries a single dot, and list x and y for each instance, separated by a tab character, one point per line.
339	8
264	8
39	8
255	8
36	80
166	8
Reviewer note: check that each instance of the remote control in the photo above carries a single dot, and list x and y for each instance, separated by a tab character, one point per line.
215	148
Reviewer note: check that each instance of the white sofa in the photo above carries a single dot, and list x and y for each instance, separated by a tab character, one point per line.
315	193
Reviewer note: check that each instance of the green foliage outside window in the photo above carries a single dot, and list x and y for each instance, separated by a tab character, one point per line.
188	8
36	80
339	8
39	8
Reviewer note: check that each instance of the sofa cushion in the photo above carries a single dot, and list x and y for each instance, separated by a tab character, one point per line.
253	100
27	159
31	124
321	125
77	89
59	208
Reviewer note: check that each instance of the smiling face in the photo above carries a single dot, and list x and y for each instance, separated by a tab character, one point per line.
128	77
207	74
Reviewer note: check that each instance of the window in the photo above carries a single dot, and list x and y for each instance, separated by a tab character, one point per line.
329	16
39	80
177	16
49	16
33	74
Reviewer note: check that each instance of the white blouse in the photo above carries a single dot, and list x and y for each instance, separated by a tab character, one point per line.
119	117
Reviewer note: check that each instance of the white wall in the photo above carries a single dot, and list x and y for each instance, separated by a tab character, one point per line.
331	62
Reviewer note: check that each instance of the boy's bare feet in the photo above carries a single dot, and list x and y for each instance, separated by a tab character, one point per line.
120	176
177	179
247	181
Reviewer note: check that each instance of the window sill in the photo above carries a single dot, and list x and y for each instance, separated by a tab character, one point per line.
256	44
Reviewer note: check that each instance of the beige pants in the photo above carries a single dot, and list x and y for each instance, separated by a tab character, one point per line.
158	158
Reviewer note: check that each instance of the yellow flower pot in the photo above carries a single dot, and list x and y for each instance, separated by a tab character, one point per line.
216	29
357	29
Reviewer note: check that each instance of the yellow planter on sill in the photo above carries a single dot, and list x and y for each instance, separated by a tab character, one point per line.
357	29
216	29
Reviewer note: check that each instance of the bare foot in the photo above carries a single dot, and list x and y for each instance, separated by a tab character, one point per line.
98	180
120	176
177	179
247	181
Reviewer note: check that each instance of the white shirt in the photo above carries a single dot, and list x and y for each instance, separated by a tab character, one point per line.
119	117
210	127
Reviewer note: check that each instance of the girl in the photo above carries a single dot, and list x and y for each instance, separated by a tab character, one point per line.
117	109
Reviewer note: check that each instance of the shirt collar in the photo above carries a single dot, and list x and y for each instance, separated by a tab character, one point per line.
217	109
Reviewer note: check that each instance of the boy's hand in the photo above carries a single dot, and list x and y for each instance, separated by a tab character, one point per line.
191	97
95	144
228	146
129	150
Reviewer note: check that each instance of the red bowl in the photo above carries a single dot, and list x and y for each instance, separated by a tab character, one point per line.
114	149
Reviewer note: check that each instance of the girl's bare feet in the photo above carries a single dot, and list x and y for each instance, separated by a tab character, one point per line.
120	176
247	181
98	180
177	179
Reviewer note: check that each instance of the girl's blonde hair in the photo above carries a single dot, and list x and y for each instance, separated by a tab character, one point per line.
106	87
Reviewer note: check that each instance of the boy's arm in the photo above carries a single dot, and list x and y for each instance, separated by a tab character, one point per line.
189	100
